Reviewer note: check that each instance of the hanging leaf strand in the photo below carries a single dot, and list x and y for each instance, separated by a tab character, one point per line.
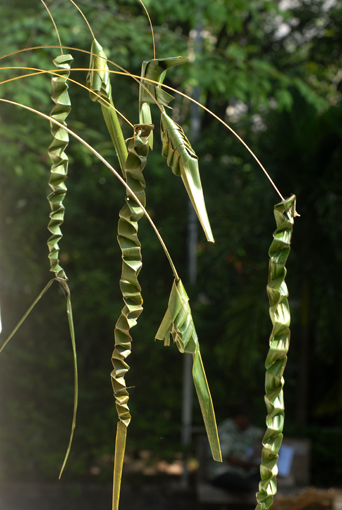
58	175
130	246
179	323
59	168
284	213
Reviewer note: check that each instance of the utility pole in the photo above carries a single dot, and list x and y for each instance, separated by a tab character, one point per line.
195	128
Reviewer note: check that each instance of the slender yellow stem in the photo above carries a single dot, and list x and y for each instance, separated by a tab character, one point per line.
152	31
41	71
105	162
138	79
54	24
84	17
48	285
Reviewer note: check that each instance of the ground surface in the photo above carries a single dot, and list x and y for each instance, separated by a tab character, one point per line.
154	494
162	492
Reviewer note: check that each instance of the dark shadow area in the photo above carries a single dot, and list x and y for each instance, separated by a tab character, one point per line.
160	492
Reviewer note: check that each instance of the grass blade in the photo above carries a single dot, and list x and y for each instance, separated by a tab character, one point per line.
98	80
59	168
152	92
26	314
120	447
176	147
65	287
183	161
179	323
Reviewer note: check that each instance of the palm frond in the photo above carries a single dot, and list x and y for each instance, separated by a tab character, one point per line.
284	213
178	323
131	291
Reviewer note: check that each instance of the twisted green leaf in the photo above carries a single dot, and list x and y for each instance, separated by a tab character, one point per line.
131	291
98	81
58	175
284	213
179	323
152	92
176	147
183	161
59	168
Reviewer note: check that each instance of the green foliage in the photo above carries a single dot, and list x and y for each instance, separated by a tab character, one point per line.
282	93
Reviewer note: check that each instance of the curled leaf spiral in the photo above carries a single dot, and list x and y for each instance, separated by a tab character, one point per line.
58	175
284	213
59	168
130	246
131	265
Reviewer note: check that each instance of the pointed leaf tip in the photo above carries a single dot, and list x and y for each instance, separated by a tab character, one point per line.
183	161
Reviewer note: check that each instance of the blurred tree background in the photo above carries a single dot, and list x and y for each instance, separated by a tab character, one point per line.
272	70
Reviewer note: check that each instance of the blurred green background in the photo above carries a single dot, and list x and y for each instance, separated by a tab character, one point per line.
272	70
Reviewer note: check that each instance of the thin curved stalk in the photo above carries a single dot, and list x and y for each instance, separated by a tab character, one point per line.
54	73
151	26
26	314
138	79
65	287
190	177
105	162
279	342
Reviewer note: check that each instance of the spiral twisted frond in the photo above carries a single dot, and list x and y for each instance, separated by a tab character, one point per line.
130	246
179	323
59	168
284	213
58	175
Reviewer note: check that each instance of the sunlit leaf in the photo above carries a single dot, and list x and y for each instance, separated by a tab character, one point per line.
184	162
98	80
178	323
152	92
